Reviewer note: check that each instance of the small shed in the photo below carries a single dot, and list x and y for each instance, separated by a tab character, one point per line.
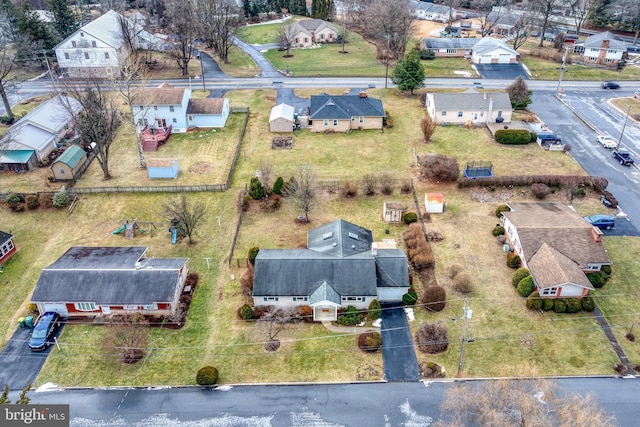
162	168
7	247
66	166
281	118
18	160
434	202
392	212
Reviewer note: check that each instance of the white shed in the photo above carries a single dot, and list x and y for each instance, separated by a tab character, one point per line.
392	212
434	202
281	118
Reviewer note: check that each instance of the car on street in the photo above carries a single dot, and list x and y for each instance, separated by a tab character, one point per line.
45	329
623	157
603	222
606	141
609	85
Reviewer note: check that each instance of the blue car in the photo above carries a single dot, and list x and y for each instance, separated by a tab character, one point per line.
603	222
46	327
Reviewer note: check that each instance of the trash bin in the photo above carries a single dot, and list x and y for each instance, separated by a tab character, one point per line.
28	321
21	322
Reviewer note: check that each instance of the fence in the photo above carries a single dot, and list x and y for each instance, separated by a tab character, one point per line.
239	206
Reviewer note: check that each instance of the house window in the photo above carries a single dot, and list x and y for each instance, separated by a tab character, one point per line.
306	40
353	299
190	118
73	43
593	58
353	119
106	55
335	122
61	171
155	107
271	298
10	245
452	50
93	44
444	113
326	122
81	34
150	307
130	307
299	298
297	40
361	119
611	51
549	292
171	108
139	122
141	108
174	120
86	55
459	113
481	113
321	36
66	55
85	306
608	60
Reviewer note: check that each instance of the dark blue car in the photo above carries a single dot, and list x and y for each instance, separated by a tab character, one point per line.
44	331
606	222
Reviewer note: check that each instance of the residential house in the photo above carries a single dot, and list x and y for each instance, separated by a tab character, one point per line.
207	112
341	266
96	281
489	50
502	23
342	113
450	47
309	32
469	107
602	48
97	48
556	245
7	247
36	135
65	167
281	118
431	11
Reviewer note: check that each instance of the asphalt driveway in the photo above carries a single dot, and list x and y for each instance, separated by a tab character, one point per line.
300	105
400	362
501	71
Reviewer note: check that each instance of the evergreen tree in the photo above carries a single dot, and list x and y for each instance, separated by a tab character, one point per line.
246	7
322	9
65	20
599	15
36	30
298	7
519	94
409	72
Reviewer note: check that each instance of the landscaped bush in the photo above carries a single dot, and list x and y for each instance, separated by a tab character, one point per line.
513	260
350	317
369	184
207	376
498	230
513	136
350	189
597	183
256	190
252	254
410	217
502	208
405	187
520	274
410	298
610	198
540	191
246	312
32	201
431	370
370	341
277	185
440	168
534	302
375	310
573	305
598	279
434	298
433	337
271	204
525	286
463	283
419	252
387	184
547	304
559	305
305	312
12	200
46	200
61	199
588	304
606	269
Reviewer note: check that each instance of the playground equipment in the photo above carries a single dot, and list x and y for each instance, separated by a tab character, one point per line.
174	234
478	170
119	229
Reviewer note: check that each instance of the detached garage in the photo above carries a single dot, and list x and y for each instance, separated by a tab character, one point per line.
281	118
493	51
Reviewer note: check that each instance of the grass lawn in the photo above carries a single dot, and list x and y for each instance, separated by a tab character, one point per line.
631	105
239	64
264	33
447	67
167	67
542	69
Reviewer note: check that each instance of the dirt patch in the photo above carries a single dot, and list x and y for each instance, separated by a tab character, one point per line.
282	142
369	373
201	168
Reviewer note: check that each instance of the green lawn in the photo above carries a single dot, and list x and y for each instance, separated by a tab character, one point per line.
447	67
264	33
542	69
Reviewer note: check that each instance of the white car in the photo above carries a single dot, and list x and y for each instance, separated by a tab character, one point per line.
606	141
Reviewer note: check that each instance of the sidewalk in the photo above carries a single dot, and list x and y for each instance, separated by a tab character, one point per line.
349	329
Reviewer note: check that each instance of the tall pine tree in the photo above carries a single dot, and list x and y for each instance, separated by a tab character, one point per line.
298	7
409	72
322	9
65	21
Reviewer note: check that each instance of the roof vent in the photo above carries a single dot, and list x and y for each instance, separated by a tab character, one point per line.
334	244
328	235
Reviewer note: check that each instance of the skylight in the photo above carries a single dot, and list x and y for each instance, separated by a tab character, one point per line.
353	236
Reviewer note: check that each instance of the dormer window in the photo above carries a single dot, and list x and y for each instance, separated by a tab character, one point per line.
81	34
93	43
73	43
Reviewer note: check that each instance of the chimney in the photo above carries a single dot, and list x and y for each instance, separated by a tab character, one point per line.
374	248
605	44
362	94
596	233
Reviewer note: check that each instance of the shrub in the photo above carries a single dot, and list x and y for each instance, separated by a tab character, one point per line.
369	184
525	286
387	184
427	55
441	168
588	304
433	337
520	274
409	217
271	204
598	279
207	376
277	185
405	187
46	200
534	302
513	260
559	305
502	208
454	270
410	298
350	189
419	253
498	230
252	254
350	317
540	191
18	208
606	269
61	199
434	298
573	305
375	310
246	312
513	136
32	201
305	312
256	190
12	200
370	341
463	283
547	304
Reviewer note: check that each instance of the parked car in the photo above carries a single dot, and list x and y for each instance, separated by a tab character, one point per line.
606	141
610	85
623	157
45	329
603	222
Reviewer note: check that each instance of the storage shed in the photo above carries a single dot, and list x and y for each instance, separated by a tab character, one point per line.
434	202
281	118
66	166
162	168
392	212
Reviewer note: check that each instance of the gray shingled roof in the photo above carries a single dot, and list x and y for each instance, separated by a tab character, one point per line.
488	44
5	237
449	43
344	107
339	238
471	101
595	41
324	292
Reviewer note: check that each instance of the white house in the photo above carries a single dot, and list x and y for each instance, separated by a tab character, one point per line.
493	51
602	48
97	48
469	107
432	12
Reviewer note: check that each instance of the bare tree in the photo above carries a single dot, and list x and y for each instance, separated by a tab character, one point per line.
9	54
580	10
127	338
275	320
266	175
302	189
285	38
522	30
489	17
389	22
544	9
218	21
183	25
428	127
184	216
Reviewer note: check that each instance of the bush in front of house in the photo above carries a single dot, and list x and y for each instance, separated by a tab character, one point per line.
207	376
502	208
513	260
598	279
540	191
547	304
434	298
525	286
370	341
498	230
252	254
534	302
277	185
410	298
520	274
573	305
419	251
433	337
559	305
61	199
513	136
305	312
375	310
606	269
588	304
410	217
350	317
246	312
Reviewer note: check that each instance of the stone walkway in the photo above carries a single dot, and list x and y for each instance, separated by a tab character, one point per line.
349	329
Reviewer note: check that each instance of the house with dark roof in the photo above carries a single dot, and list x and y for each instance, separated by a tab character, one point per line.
7	247
469	107
97	281
65	167
342	113
502	23
557	246
309	32
602	48
341	266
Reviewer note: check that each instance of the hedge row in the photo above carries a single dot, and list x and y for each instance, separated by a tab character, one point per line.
514	136
560	305
598	183
418	250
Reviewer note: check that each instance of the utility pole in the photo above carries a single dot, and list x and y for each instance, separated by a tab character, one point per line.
467	313
202	71
623	126
564	61
386	71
